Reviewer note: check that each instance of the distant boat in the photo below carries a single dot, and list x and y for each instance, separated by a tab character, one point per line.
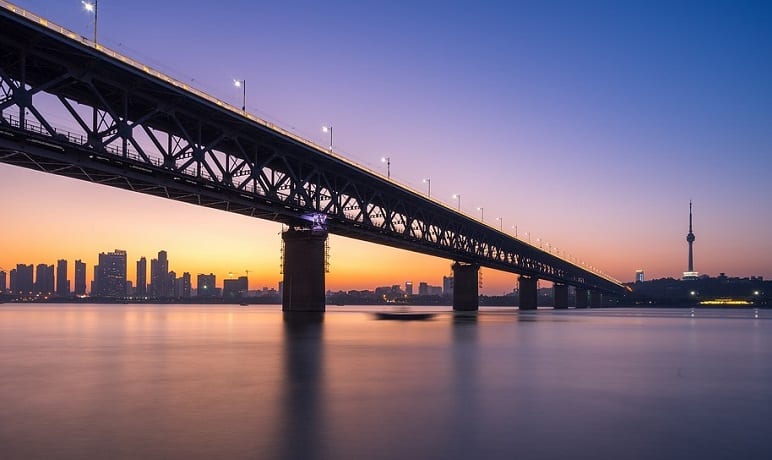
403	315
244	304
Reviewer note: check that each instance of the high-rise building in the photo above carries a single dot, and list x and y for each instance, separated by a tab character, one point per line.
205	285
409	288
159	276
110	275
639	276
44	279
184	285
24	277
141	288
447	285
235	288
690	274
80	278
3	286
62	283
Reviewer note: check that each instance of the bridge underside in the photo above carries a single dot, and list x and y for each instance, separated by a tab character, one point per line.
71	108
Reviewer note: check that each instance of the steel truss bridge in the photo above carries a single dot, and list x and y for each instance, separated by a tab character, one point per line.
132	127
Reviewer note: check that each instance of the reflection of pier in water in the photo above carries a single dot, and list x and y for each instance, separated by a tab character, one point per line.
303	419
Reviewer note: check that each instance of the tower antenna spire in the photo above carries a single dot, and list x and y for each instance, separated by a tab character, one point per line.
690	239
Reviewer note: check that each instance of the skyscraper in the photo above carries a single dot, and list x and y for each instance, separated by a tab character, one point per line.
23	281
141	277
110	275
3	286
159	276
62	283
80	278
205	285
690	274
44	279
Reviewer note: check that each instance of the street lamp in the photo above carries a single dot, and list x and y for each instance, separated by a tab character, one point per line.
482	214
328	129
243	85
514	227
387	160
501	224
89	6
458	197
429	183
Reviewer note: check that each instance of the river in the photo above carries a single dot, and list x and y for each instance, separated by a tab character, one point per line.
231	382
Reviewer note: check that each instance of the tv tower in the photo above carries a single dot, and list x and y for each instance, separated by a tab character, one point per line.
690	240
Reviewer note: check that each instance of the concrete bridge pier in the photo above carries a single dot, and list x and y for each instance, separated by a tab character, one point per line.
581	298
527	286
595	298
560	293
465	284
304	267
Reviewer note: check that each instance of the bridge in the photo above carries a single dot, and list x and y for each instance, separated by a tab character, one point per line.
132	127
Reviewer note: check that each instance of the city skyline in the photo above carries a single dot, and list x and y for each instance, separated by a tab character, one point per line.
594	149
42	279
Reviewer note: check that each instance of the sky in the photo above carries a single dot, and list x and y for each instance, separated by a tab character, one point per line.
588	125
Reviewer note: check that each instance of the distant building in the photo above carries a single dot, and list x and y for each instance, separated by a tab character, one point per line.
639	276
44	279
141	288
423	288
110	275
409	288
159	276
205	285
185	287
447	285
80	278
235	288
62	283
21	280
690	274
3	286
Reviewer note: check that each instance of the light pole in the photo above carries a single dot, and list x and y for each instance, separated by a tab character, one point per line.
458	197
501	224
428	182
514	227
328	129
95	8
387	160
482	214
243	85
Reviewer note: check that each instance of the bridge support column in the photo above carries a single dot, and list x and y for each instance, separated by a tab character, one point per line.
465	283
303	266
581	298
527	287
595	298
560	293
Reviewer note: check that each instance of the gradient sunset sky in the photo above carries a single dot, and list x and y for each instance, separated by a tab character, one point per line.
588	124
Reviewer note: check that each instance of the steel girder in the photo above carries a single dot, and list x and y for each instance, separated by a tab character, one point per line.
126	127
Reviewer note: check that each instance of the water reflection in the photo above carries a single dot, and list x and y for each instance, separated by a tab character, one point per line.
303	384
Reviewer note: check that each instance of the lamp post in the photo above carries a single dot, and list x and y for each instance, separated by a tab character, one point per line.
458	198
482	214
89	6
387	160
428	182
501	224
328	129
243	85
514	227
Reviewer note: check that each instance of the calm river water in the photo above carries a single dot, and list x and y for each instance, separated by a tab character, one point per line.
230	382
